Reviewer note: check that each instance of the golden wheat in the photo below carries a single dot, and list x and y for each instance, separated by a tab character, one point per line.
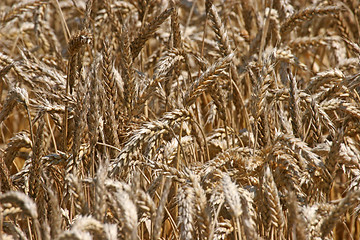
179	119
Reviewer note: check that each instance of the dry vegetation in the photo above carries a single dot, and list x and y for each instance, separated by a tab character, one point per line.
179	119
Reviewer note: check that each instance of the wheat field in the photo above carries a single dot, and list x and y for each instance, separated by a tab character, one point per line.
179	119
